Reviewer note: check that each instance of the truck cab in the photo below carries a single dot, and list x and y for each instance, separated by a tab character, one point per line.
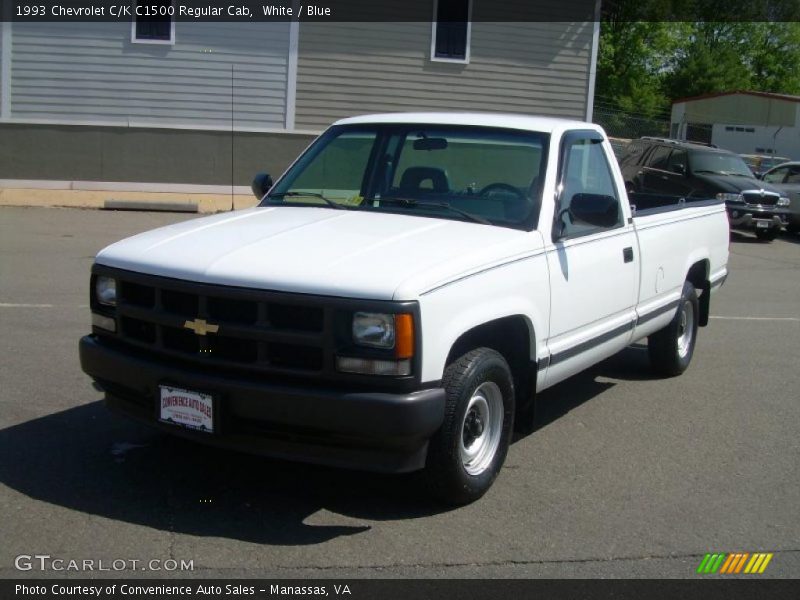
400	294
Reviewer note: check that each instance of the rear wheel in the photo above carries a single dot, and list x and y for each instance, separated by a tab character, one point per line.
466	454
672	347
767	235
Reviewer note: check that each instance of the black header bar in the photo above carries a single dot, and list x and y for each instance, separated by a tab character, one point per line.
288	10
400	10
401	589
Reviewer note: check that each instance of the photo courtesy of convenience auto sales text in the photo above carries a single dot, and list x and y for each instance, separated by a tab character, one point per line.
199	589
399	296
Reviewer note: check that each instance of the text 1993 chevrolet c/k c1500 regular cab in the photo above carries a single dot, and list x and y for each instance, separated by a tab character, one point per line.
400	294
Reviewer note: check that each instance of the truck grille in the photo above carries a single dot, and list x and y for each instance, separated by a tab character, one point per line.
768	199
225	326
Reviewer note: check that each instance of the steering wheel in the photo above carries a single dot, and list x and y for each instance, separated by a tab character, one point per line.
501	187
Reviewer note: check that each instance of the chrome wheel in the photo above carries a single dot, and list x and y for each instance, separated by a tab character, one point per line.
481	428
685	329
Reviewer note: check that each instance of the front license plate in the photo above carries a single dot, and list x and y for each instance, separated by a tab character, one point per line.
186	408
762	224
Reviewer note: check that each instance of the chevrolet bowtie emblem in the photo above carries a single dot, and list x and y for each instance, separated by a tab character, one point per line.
201	327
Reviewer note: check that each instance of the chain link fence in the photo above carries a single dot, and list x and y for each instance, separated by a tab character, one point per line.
621	124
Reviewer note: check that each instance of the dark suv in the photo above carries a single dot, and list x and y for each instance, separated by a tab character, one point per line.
684	169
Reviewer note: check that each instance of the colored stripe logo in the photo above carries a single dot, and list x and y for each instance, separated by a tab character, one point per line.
734	563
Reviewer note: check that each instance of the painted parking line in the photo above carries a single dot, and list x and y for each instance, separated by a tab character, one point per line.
12	305
6	305
756	318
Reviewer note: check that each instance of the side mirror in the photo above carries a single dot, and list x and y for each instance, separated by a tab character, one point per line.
679	168
595	209
261	185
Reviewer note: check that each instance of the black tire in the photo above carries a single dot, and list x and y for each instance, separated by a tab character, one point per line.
482	371
793	228
671	348
767	235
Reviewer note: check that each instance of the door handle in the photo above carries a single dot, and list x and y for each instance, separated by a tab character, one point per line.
627	254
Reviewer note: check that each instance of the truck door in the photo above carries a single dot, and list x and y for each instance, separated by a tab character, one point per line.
592	257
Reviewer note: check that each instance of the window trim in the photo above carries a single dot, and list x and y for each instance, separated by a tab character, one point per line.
566	141
434	23
135	40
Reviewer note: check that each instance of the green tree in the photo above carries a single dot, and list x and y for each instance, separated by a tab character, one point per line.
710	59
774	57
647	58
633	48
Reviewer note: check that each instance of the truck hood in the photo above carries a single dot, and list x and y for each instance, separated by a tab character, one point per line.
733	183
325	251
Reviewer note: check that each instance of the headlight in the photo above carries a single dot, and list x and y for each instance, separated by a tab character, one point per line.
373	329
730	197
784	201
105	289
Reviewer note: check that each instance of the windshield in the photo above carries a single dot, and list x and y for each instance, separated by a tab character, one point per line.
478	174
718	163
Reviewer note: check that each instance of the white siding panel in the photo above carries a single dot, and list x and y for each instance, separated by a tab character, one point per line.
80	71
1	65
354	68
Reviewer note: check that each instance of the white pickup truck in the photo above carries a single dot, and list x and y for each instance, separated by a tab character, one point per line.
400	294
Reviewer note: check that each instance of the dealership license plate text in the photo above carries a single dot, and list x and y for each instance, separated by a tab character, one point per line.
186	408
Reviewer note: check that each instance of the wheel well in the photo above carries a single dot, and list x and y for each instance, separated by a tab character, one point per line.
513	338
698	276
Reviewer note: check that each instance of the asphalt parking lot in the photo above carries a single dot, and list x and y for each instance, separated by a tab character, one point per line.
626	475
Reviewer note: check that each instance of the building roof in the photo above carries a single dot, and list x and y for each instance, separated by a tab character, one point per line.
786	97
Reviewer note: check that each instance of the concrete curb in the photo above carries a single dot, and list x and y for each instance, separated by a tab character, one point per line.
204	203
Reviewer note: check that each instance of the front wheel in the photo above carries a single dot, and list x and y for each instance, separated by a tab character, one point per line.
466	454
672	347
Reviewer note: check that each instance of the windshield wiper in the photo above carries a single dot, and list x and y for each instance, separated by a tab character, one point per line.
328	201
415	203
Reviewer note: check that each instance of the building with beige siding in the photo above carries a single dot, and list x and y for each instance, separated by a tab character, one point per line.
745	122
201	105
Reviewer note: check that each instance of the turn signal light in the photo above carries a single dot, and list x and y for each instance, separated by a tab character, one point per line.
404	336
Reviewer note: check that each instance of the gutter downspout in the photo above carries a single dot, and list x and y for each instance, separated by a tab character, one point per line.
593	63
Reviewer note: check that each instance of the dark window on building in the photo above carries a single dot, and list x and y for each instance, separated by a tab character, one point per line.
730	128
155	22
749	130
699	132
451	30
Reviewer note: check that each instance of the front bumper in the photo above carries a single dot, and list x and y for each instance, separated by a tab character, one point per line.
366	430
748	215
